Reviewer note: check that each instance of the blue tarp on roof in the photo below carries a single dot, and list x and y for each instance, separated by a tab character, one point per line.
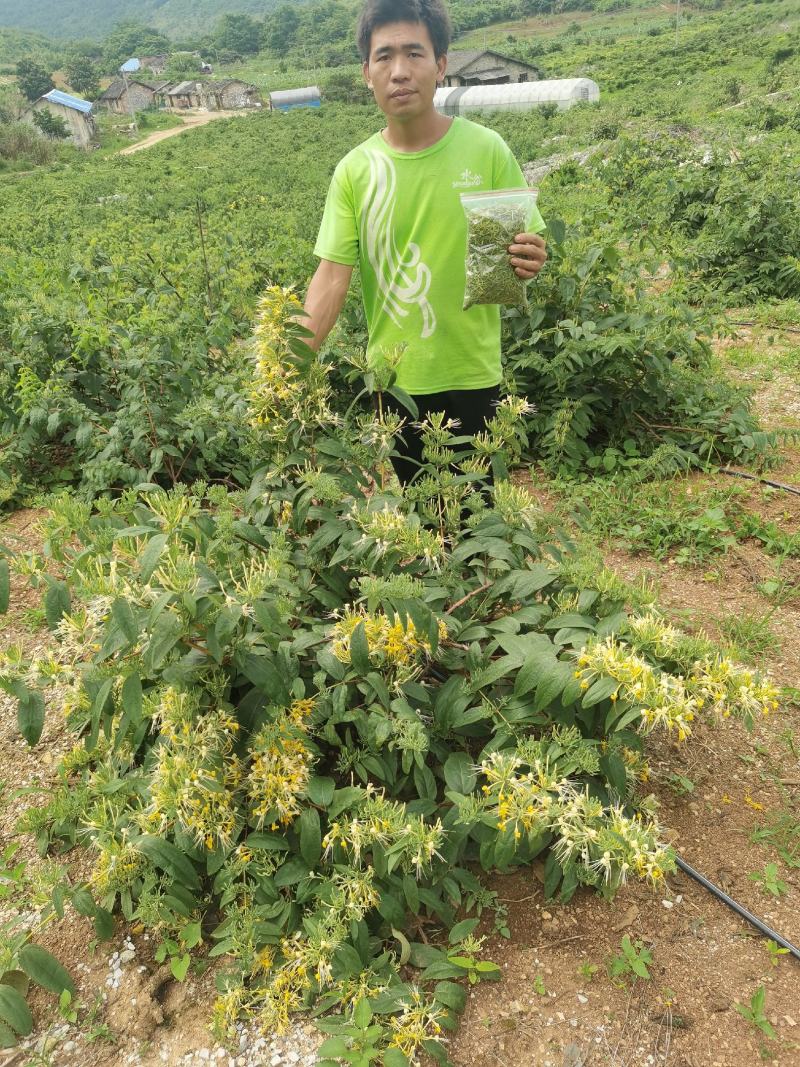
55	96
130	66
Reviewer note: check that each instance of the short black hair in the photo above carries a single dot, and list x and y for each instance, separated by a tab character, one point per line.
432	13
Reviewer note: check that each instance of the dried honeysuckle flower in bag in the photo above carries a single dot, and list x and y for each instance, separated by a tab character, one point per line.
494	220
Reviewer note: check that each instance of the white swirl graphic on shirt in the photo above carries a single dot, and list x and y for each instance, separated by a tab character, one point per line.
403	280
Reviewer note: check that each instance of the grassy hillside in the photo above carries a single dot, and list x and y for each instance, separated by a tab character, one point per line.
85	18
14	44
655	63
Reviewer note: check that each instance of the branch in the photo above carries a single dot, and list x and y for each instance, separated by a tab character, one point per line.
469	596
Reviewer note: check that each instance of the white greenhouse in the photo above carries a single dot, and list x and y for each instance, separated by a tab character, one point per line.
289	99
518	96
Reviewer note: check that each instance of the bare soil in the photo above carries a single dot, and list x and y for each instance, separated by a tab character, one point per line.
190	122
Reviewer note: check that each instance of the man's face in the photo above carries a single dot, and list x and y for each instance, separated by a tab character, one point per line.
402	70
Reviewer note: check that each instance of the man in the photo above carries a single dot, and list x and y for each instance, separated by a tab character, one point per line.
394	208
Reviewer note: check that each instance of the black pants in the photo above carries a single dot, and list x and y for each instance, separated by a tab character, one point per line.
472	407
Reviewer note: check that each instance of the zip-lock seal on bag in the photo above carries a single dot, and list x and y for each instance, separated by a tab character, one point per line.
494	220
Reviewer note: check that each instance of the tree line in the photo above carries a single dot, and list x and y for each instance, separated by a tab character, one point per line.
320	32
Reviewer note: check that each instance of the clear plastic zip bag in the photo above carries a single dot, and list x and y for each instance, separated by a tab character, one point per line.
494	220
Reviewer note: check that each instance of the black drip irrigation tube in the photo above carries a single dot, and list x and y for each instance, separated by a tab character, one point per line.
745	914
763	481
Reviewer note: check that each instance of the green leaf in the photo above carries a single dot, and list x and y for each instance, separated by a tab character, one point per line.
334	1046
539	662
362	1013
393	1057
552	875
5	586
131	704
320	791
150	556
168	858
192	935
122	614
82	902
7	1037
56	603
459	773
30	714
571	620
553	684
103	924
445	968
19	980
602	689
411	891
310	836
639	968
44	969
15	1011
462	930
263	672
405	945
268	842
165	635
179	965
487	967
359	650
451	994
612	766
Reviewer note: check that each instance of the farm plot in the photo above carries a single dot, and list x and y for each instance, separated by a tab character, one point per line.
655	974
306	741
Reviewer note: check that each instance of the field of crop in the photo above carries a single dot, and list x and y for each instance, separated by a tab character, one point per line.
292	754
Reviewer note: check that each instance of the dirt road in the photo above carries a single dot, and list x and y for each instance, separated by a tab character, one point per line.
189	122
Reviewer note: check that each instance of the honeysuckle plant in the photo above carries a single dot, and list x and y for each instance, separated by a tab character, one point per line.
308	714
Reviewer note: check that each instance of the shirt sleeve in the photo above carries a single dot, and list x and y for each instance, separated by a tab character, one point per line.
507	174
338	232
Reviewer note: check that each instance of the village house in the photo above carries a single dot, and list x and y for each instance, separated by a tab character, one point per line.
76	114
485	67
229	95
184	95
155	64
122	98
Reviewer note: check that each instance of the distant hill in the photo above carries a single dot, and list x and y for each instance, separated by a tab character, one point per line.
94	18
15	44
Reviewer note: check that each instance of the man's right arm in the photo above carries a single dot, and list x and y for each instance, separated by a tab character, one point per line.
325	299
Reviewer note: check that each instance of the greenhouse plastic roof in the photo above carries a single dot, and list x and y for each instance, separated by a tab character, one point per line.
55	96
295	96
518	93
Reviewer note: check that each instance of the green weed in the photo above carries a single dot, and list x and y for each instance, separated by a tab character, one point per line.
775	951
749	634
770	881
631	962
754	1013
782	834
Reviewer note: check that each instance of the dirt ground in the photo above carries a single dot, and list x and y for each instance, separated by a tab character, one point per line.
728	802
190	122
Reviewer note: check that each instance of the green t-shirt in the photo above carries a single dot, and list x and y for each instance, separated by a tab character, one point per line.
398	215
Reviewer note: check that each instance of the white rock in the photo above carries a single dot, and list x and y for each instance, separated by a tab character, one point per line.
582	999
668	904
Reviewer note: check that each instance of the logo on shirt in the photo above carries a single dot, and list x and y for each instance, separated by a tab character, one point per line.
468	180
403	279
